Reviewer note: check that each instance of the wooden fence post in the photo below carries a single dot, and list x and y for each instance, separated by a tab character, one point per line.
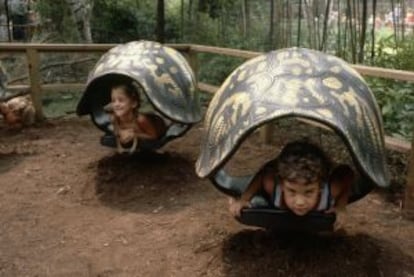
192	58
409	186
35	81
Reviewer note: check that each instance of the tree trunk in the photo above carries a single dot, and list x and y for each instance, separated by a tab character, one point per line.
299	23
224	22
247	12
160	21
190	10
277	27
316	15
202	6
351	30
289	16
243	18
6	6
374	15
182	19
311	25
271	21
325	25
403	14
87	34
87	31
339	38
363	31
394	22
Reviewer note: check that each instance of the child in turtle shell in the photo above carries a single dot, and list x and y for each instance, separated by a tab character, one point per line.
130	126
300	179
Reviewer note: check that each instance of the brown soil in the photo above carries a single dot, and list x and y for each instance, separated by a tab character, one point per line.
70	207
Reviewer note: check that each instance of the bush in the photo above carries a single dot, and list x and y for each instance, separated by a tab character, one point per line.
395	98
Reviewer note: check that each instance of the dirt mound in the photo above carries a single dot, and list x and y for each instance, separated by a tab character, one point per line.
70	207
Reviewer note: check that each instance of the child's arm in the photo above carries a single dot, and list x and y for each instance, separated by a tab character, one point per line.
148	130
108	108
341	195
116	128
236	205
341	182
3	108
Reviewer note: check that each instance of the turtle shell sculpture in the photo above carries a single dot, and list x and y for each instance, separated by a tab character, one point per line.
299	83
163	75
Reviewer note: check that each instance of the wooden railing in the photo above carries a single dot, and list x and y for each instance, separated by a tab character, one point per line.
190	51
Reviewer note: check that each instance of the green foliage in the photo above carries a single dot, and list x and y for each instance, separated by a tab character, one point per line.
395	98
121	21
221	23
57	19
390	55
60	104
214	68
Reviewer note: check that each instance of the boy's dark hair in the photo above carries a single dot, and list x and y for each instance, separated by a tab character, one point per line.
302	161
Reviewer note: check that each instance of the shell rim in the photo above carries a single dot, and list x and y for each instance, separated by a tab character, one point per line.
237	143
84	107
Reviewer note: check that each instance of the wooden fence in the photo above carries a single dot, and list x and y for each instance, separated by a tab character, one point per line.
191	51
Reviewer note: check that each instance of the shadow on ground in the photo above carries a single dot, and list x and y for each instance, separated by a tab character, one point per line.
146	182
260	253
9	160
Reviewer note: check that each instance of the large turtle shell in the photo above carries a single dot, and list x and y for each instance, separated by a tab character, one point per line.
161	71
295	82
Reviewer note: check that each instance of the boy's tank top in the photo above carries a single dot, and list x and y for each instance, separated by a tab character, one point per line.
325	200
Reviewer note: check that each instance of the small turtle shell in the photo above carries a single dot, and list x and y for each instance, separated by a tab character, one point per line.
295	82
161	71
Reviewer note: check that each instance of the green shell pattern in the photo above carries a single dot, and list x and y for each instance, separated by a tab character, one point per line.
300	83
164	74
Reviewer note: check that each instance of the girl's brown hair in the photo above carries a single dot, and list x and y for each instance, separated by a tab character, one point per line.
130	91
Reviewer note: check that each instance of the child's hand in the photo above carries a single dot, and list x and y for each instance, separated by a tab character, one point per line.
108	108
126	135
237	205
341	219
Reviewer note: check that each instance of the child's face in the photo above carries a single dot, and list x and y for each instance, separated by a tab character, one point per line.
122	104
299	197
